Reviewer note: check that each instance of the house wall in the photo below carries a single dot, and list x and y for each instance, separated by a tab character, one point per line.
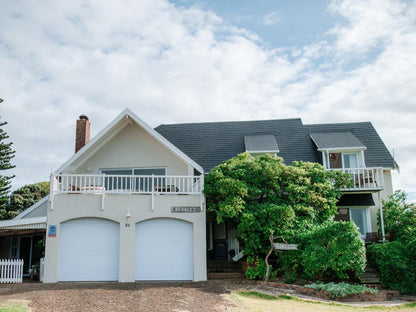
72	206
131	147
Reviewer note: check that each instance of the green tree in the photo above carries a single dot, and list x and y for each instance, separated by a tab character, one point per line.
6	155
399	217
261	194
23	198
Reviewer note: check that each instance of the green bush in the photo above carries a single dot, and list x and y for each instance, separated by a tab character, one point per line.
342	289
333	250
257	269
396	264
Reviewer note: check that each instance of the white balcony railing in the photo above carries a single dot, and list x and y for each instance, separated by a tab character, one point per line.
126	184
365	179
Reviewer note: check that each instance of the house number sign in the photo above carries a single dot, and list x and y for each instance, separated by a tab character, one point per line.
52	231
185	209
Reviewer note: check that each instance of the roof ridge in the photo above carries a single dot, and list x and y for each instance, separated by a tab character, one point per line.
229	121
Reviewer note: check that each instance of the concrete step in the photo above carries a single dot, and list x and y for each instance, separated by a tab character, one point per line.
225	276
373	280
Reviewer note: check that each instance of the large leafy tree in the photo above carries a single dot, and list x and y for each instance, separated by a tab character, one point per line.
399	217
23	198
6	156
258	195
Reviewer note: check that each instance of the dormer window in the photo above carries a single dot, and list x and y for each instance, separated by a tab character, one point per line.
340	150
261	144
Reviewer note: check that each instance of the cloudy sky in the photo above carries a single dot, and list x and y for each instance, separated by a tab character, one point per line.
207	60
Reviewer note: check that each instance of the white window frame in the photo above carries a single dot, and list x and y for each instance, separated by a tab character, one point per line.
367	218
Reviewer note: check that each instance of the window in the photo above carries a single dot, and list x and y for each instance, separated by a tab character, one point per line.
360	217
350	160
122	179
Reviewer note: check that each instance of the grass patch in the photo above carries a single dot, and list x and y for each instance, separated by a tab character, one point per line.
252	301
13	307
256	294
342	289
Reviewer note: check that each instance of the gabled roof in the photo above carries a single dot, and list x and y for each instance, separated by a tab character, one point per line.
261	143
113	128
336	140
31	208
212	143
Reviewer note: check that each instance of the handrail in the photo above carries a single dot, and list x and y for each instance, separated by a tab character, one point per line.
364	178
126	184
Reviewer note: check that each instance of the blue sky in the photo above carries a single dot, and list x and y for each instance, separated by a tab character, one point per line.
277	23
189	61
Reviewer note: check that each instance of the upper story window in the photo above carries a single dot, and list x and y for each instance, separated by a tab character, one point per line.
340	150
118	179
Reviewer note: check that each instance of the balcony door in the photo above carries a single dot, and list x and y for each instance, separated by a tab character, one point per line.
349	161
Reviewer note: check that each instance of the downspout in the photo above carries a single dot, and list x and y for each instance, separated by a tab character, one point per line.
381	217
51	190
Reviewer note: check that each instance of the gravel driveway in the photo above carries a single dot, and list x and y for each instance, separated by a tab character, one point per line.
168	296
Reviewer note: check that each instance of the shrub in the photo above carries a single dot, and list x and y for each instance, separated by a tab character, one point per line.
333	250
396	264
342	289
257	269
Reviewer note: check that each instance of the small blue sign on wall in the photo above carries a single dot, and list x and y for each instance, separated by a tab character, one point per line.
52	231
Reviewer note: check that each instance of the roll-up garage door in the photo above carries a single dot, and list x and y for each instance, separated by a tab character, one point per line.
164	250
89	250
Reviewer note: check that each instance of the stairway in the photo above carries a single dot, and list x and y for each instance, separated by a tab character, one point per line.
224	270
370	276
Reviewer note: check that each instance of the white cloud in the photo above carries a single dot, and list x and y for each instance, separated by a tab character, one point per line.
271	18
170	64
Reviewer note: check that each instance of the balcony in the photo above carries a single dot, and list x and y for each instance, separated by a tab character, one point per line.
126	184
365	179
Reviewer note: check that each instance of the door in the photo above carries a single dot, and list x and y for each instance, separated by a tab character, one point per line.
220	242
164	250
89	250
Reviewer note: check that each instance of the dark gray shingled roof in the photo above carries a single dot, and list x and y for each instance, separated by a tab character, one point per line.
325	140
260	143
211	143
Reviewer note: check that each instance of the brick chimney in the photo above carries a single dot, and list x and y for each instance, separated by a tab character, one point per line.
82	135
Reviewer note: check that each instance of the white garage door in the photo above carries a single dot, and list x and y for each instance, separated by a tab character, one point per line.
164	250
89	250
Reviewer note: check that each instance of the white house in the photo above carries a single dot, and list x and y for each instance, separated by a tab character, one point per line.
128	205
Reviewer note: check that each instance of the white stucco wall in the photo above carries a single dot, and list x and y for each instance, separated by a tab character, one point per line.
71	206
131	147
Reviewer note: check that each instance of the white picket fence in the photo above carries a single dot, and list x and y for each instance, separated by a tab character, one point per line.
11	271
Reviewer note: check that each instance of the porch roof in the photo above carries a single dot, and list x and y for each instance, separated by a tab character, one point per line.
23	224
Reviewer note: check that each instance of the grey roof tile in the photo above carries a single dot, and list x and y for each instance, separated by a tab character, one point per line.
325	140
260	143
211	143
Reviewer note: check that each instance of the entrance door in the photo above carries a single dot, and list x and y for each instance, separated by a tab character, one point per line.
220	242
25	247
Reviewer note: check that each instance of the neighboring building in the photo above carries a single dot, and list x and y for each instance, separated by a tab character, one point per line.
129	204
